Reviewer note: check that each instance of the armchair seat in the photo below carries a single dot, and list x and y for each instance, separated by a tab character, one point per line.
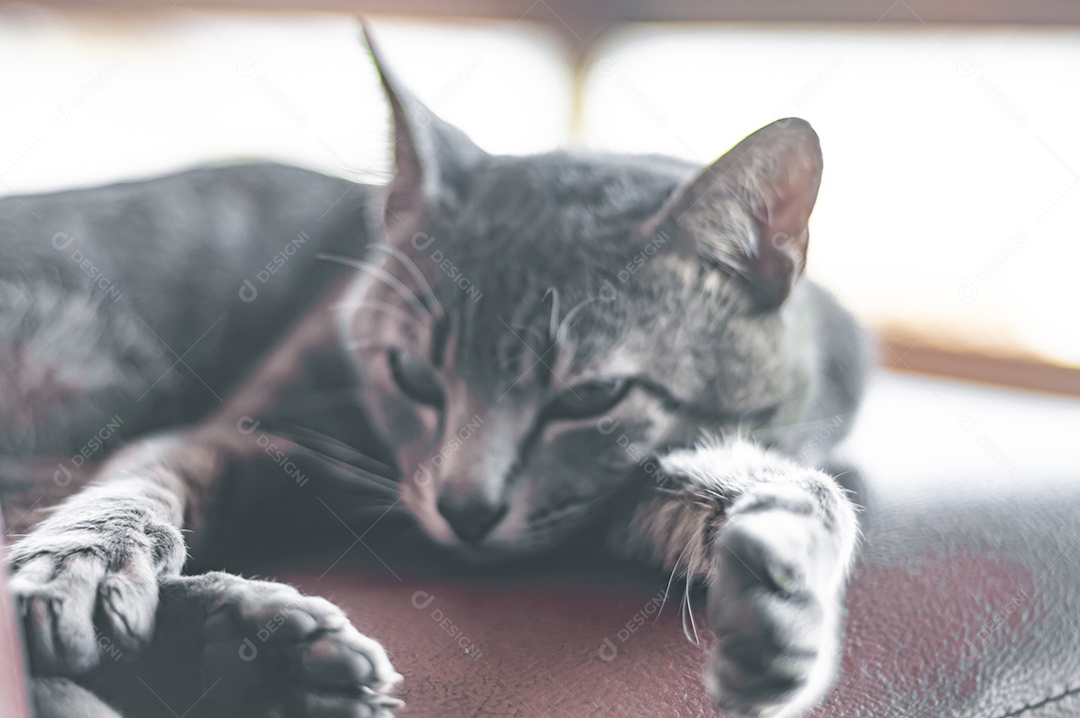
965	602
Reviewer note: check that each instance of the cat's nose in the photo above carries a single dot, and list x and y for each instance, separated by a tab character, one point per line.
473	517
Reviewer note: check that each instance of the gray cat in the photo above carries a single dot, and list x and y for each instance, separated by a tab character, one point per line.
523	352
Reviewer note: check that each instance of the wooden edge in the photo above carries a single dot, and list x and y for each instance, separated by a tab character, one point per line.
902	353
582	22
910	12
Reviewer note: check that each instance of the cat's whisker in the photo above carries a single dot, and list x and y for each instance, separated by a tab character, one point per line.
411	267
381	274
671	579
364	499
353	346
359	498
367	480
809	422
373	507
353	474
369	464
582	507
384	307
336	397
383	502
566	325
356	486
689	610
711	493
329	439
377	511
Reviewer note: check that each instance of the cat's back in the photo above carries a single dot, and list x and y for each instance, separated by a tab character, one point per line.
103	292
116	217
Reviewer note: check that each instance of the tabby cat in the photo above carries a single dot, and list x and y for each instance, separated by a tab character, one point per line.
525	353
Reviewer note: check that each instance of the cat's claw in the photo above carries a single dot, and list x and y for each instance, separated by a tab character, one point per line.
269	651
776	622
84	601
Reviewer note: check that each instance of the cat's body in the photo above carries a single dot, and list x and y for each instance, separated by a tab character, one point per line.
517	351
98	275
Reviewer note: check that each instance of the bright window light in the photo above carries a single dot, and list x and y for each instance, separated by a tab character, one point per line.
952	189
951	197
92	98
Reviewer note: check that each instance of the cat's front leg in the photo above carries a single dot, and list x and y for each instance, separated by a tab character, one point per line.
773	542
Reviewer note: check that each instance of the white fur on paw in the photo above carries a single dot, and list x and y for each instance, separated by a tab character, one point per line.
775	605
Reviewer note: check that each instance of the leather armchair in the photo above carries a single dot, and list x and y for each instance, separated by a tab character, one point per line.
965	602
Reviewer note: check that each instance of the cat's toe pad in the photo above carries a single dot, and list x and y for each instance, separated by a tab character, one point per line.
775	620
299	653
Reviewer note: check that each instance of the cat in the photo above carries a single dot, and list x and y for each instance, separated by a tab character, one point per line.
520	352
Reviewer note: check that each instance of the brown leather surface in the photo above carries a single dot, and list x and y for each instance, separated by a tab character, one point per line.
946	618
533	650
964	605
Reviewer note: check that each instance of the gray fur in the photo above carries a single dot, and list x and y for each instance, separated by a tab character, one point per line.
532	233
103	290
510	283
684	283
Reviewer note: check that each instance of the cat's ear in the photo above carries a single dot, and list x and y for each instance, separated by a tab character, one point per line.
431	157
747	213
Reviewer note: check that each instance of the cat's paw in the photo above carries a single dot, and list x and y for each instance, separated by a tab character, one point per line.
87	590
775	605
271	651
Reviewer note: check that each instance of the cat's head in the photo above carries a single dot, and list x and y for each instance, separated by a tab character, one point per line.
533	329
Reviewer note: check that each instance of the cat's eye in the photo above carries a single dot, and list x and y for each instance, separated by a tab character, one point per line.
588	399
415	378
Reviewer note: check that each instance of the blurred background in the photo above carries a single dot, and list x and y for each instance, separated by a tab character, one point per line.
950	210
